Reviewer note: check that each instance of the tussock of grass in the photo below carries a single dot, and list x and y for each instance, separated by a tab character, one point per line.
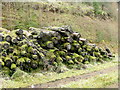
99	81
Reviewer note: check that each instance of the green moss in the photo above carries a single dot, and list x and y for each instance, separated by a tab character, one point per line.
92	57
54	38
75	55
80	42
59	59
50	55
96	54
68	57
72	48
65	44
4	42
30	50
49	42
24	47
79	50
81	58
20	60
35	57
42	44
76	61
84	46
8	58
13	66
70	62
61	53
52	50
53	56
16	52
74	41
23	52
78	57
63	39
55	64
41	54
89	48
86	62
96	49
87	56
1	61
27	59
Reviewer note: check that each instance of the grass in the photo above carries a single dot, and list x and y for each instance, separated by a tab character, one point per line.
29	17
38	78
99	81
90	28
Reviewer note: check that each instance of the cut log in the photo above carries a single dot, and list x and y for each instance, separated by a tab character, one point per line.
55	40
92	45
6	45
35	57
84	41
1	37
70	39
34	65
76	36
67	46
108	50
8	38
8	62
19	32
14	40
49	44
10	50
63	28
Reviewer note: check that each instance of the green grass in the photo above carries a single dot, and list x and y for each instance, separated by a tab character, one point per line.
99	81
38	78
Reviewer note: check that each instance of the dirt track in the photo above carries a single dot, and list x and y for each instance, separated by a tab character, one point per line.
115	85
57	83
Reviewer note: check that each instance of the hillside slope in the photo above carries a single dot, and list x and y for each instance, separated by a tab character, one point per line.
98	28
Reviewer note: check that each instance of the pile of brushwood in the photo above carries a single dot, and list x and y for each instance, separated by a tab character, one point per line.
47	49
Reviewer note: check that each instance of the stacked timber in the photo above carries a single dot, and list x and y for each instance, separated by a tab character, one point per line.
46	48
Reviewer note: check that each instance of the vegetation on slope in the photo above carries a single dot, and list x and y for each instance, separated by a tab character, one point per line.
81	16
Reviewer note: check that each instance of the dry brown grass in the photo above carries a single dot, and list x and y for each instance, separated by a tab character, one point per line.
91	28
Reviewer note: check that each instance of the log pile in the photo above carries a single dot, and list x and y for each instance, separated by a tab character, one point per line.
48	48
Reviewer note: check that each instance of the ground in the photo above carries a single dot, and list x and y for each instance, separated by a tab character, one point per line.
101	75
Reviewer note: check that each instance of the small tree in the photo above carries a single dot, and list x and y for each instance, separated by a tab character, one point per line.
96	7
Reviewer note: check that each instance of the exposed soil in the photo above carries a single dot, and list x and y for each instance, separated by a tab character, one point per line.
58	82
1	81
